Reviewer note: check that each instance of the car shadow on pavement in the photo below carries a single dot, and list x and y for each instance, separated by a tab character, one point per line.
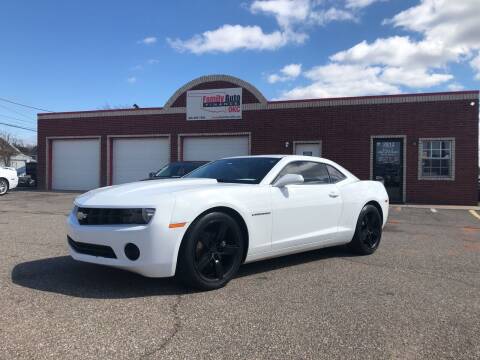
63	275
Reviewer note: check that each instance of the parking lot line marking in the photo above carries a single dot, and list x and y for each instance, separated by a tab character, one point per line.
475	214
433	210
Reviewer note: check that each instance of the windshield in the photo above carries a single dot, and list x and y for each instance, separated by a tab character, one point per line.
178	169
236	170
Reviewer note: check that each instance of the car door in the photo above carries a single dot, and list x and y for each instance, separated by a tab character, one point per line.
306	213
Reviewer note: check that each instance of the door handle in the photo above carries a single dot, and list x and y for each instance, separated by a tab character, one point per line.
333	195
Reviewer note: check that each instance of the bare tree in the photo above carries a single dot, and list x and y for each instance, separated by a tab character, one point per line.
27	149
6	149
107	106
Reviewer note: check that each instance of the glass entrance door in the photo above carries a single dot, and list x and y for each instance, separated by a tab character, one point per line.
388	166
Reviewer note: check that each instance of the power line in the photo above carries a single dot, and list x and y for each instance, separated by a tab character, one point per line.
15	111
27	106
17	119
18	127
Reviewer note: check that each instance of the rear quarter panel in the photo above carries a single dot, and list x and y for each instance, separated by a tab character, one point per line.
354	196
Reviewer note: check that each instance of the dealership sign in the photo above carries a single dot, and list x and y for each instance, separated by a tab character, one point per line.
214	104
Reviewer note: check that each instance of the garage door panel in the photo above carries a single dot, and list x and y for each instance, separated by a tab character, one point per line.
134	159
208	148
75	164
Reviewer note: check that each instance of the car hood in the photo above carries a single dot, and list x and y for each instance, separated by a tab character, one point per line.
142	193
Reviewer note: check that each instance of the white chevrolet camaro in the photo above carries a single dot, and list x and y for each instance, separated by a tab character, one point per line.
8	179
203	226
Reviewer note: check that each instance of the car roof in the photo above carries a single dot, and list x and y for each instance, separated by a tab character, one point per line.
190	162
278	156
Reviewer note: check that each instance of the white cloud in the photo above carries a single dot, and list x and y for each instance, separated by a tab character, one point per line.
453	22
336	80
132	80
150	40
286	12
234	37
323	17
447	31
357	4
290	13
455	87
292	70
153	61
475	64
288	72
274	78
413	78
397	51
294	17
452	25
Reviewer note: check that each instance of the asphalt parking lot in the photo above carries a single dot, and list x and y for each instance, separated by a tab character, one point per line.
417	297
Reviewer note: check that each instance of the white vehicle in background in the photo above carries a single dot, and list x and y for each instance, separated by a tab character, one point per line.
203	226
8	179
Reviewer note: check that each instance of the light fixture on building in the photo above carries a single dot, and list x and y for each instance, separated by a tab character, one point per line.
472	103
287	144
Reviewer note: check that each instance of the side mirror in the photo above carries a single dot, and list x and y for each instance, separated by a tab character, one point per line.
151	175
289	179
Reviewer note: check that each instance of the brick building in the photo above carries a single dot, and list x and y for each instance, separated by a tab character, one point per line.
424	146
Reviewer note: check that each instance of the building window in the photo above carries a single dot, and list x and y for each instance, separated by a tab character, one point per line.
436	159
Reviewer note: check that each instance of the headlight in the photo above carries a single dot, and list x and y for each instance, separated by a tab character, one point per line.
102	216
147	214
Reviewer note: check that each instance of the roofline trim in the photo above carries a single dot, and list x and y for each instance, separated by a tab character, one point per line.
275	105
219	77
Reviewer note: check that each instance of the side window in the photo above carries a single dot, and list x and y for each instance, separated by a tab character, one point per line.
335	175
312	172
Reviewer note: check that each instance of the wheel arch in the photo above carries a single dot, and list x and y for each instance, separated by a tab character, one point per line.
377	205
229	211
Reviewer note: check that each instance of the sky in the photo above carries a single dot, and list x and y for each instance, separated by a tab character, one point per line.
86	55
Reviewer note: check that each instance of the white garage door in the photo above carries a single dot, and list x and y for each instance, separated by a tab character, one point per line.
134	159
75	164
214	147
308	149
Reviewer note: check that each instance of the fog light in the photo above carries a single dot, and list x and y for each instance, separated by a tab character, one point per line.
132	252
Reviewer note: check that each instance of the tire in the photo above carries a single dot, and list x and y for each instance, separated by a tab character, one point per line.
211	252
3	187
368	231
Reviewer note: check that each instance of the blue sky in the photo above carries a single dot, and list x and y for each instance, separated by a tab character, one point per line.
81	55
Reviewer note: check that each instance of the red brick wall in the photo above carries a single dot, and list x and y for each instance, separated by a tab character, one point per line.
345	133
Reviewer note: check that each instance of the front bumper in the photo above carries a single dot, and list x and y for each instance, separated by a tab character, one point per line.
158	245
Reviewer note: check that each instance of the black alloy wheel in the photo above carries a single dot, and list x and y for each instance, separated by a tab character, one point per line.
212	251
368	232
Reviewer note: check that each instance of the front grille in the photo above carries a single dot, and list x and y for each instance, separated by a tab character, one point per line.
102	216
91	249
